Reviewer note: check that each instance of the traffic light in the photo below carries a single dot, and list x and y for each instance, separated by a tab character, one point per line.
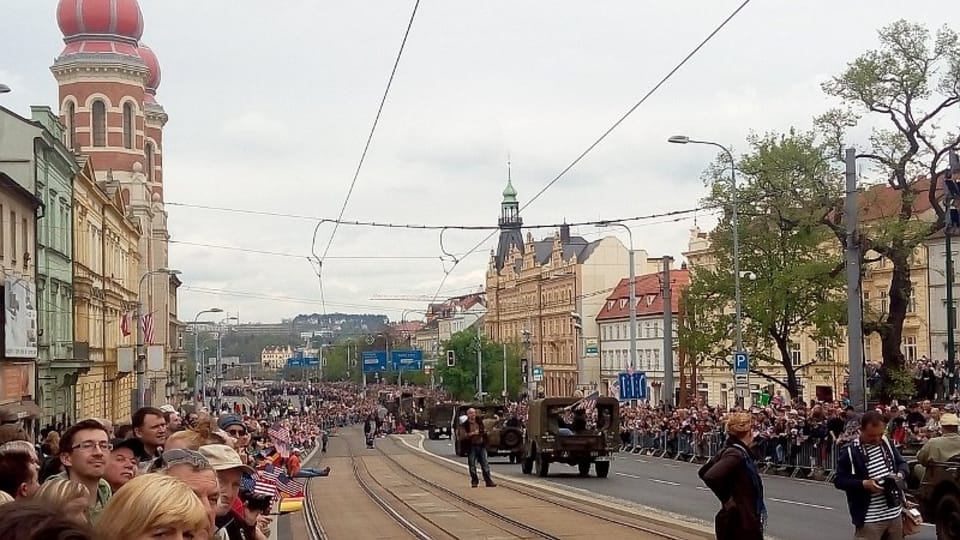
451	358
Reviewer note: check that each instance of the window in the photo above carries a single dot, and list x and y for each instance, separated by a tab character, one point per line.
656	359
824	352
128	125
912	300
26	243
71	120
883	301
13	236
795	358
867	349
98	121
148	152
910	348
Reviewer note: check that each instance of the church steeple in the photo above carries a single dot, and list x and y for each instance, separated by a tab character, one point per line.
510	222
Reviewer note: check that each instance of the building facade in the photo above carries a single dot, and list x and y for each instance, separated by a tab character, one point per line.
614	324
275	357
105	266
58	368
546	294
108	82
458	314
19	209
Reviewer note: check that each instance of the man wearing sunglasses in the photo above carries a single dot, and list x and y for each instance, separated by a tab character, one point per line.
84	450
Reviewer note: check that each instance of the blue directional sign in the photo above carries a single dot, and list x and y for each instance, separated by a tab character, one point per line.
626	386
741	362
311	361
632	386
639	385
295	362
406	360
374	361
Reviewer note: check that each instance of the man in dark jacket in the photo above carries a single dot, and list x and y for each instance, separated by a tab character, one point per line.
870	470
475	437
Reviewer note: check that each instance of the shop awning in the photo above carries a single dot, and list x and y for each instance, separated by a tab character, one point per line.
14	412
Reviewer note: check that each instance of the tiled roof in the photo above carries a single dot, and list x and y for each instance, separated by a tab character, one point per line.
882	201
649	299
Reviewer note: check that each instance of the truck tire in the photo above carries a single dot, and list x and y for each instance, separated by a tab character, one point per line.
526	465
432	434
603	469
584	468
948	517
511	438
542	465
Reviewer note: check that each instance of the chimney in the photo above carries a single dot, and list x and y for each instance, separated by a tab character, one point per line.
564	234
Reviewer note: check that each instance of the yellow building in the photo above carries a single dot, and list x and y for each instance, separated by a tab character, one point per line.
105	268
825	378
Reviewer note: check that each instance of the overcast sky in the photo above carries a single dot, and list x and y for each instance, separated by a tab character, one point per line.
270	104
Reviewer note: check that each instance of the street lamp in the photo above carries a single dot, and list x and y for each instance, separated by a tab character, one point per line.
633	295
141	357
683	139
219	370
199	384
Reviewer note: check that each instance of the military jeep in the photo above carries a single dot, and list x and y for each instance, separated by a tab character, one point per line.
440	420
501	439
559	432
939	498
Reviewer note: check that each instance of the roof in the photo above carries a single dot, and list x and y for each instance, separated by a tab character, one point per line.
649	299
883	201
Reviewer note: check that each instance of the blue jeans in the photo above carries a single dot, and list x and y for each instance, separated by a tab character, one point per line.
308	472
474	455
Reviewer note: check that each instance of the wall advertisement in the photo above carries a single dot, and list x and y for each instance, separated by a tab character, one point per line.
20	318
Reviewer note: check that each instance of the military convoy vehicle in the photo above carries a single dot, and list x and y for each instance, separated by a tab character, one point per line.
504	435
440	420
560	432
939	498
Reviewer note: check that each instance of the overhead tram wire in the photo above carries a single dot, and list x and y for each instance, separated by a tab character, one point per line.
363	155
296	256
606	133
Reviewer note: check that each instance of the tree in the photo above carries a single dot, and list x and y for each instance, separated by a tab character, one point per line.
791	267
460	380
910	83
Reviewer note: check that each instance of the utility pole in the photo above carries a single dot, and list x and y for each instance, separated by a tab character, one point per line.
479	365
952	221
667	334
858	397
531	385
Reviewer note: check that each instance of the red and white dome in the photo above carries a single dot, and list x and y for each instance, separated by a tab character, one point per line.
153	65
83	19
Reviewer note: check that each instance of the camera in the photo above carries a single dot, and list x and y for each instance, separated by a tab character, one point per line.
891	490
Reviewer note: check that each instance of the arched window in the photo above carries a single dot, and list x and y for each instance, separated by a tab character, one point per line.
128	124
148	151
98	121
71	118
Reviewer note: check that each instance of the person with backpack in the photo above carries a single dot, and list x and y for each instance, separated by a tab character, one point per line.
733	477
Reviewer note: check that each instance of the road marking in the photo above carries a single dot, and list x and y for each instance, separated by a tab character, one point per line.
664	482
629	475
809	505
701	488
669	466
642	461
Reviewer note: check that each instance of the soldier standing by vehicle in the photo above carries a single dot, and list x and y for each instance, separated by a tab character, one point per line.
475	436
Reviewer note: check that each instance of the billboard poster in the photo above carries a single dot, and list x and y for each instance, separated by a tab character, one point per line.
20	318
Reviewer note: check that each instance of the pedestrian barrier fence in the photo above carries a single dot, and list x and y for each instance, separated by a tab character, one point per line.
813	458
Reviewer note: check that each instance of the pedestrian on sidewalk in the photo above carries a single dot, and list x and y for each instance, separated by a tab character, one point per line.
476	437
871	471
733	477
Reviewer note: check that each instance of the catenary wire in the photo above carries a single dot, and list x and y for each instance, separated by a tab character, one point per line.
298	256
609	130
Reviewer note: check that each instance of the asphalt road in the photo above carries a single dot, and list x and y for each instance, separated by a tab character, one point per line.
798	510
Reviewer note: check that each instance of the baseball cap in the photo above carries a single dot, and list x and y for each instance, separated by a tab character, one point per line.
135	445
224	458
949	419
168	408
228	420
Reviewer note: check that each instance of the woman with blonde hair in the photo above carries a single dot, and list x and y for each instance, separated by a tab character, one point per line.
154	507
733	477
72	498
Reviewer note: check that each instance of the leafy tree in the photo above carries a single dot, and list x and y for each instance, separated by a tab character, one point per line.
908	86
791	269
460	380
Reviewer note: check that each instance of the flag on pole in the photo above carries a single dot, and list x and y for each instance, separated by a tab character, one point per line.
280	436
587	403
148	329
125	323
289	486
258	486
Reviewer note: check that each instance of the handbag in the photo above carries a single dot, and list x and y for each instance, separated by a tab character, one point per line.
911	518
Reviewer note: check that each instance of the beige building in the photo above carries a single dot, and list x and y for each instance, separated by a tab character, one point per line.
105	266
547	293
275	357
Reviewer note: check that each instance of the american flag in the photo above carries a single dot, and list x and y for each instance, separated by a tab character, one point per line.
587	403
290	486
148	328
270	473
280	436
258	486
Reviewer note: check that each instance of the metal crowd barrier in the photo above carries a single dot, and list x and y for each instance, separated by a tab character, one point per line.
810	458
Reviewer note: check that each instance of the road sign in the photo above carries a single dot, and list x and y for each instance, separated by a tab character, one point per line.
626	386
741	362
406	360
742	393
294	362
639	385
537	374
311	361
374	361
741	379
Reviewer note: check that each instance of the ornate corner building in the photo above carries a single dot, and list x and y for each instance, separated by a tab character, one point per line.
108	82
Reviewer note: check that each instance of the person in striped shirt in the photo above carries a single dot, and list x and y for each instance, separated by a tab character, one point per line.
871	471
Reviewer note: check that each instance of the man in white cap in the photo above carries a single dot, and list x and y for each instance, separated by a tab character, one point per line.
230	469
939	449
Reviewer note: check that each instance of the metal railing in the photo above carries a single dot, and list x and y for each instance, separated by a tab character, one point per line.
812	458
